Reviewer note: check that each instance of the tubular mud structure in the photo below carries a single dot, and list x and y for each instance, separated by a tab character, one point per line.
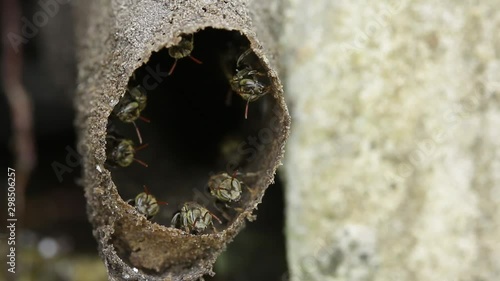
189	112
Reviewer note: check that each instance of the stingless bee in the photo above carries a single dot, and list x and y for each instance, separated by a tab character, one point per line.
146	204
247	81
121	151
182	50
194	218
130	106
225	188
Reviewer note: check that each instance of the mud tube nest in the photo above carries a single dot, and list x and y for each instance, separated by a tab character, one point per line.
193	123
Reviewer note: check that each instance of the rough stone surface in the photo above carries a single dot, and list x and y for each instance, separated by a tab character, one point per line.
393	166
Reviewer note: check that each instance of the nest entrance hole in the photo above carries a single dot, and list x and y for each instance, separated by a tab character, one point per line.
193	132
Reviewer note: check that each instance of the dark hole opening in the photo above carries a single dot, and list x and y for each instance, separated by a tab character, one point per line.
192	132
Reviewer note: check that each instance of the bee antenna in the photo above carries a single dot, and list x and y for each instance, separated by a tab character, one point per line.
195	60
216	218
172	69
141	162
144	119
141	147
246	109
146	189
138	133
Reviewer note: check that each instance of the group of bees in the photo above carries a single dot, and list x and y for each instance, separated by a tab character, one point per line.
192	217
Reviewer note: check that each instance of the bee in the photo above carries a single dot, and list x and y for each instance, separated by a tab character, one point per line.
194	218
121	151
247	81
225	188
182	50
146	204
130	106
